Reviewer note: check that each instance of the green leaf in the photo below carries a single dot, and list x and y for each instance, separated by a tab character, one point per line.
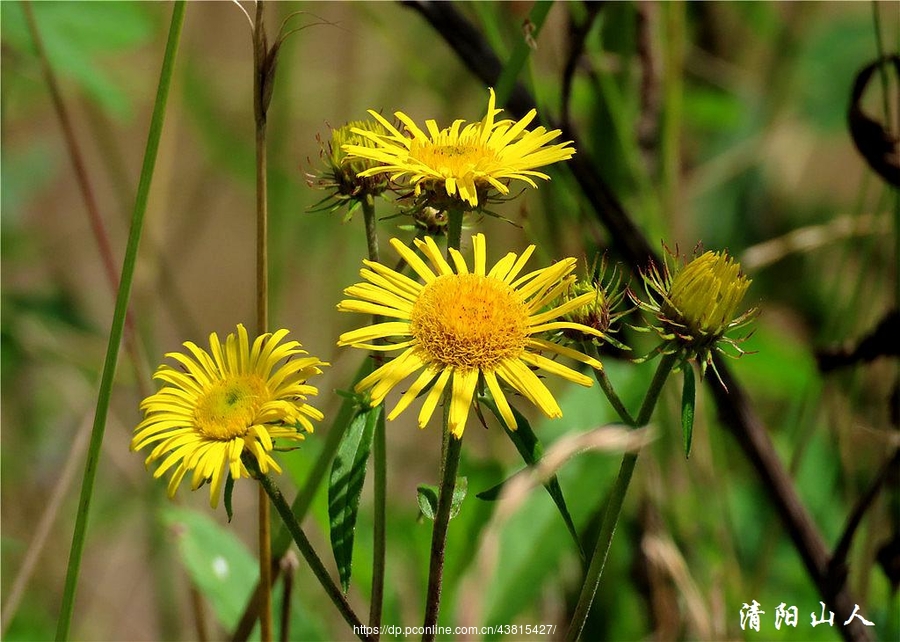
348	473
531	450
459	494
688	398
427	497
229	491
82	38
492	494
216	560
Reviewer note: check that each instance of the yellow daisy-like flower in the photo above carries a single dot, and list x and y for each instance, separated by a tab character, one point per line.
696	305
342	176
221	403
468	326
462	161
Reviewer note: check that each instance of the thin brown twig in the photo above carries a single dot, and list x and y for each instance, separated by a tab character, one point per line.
577	37
98	228
198	607
45	523
838	561
263	76
289	565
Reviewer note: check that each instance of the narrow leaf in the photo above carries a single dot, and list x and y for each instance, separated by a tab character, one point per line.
492	494
348	473
688	397
531	450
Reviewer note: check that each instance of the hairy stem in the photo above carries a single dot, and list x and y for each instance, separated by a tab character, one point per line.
450	465
306	549
300	506
379	455
614	508
450	451
607	387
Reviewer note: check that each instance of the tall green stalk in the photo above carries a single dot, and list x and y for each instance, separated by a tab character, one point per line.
441	522
614	507
507	80
379	455
118	322
450	452
306	549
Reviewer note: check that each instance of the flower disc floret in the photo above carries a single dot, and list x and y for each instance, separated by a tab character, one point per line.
465	162
469	321
222	403
706	293
459	327
696	305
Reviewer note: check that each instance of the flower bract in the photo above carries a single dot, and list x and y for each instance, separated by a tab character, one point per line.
235	398
343	177
466	162
463	325
696	304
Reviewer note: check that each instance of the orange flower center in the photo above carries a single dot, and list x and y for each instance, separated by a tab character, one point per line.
454	159
469	321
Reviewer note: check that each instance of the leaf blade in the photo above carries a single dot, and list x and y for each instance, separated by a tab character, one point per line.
531	450
348	475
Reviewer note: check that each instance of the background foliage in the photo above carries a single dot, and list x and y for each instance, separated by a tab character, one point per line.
739	141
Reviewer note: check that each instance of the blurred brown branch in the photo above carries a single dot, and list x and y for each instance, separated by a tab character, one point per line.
734	408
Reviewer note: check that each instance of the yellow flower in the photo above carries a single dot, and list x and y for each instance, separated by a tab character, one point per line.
343	176
697	304
468	325
705	294
464	162
221	403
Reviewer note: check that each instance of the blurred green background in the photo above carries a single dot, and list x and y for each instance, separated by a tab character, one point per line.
739	142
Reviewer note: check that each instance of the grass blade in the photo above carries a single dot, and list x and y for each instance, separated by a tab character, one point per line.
118	323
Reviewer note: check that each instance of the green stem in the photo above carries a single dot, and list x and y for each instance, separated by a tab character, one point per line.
306	549
450	465
368	208
608	390
450	451
379	454
882	68
301	504
614	508
118	323
522	50
454	229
